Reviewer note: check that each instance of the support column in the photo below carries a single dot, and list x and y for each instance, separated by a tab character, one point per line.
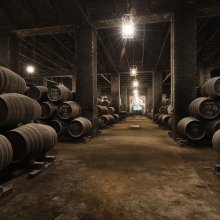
74	82
157	91
9	52
99	92
115	91
124	98
86	69
183	61
149	97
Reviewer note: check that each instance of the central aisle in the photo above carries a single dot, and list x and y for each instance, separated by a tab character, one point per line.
122	174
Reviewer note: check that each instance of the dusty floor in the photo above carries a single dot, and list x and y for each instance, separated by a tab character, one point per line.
123	174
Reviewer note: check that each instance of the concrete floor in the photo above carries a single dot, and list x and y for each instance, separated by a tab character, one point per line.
121	175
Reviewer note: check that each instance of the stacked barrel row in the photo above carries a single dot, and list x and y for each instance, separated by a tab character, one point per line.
164	116
106	113
60	111
20	139
204	120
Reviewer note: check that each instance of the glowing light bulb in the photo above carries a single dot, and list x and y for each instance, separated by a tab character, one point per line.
30	69
135	83
128	30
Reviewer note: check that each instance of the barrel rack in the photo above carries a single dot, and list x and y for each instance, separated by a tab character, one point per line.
40	165
5	190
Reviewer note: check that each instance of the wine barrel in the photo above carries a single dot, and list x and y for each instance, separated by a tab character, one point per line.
216	141
102	110
17	108
111	110
165	102
6	152
49	110
211	88
38	93
99	123
10	82
80	127
156	117
205	108
31	141
99	102
116	117
69	110
169	123
165	120
191	128
107	120
212	127
59	126
59	93
106	103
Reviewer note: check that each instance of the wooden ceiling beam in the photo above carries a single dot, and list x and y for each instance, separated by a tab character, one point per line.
45	30
139	20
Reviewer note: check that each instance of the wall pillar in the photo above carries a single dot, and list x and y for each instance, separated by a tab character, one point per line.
124	98
183	61
115	91
86	69
157	91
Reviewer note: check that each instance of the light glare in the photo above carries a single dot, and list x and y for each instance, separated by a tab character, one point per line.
30	69
128	30
135	92
135	84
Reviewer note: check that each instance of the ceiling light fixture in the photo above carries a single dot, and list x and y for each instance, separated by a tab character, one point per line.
128	28
133	70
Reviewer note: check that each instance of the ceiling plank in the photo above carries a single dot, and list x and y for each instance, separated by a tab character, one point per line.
45	30
139	20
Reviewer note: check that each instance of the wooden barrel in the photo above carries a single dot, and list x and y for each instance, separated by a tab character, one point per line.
107	120
211	88
191	128
69	110
59	126
111	110
216	141
59	93
99	123
31	141
49	110
10	82
165	102
17	108
165	120
156	117
166	109
38	93
102	110
99	102
6	152
205	108
80	127
116	117
106	103
212	126
169	123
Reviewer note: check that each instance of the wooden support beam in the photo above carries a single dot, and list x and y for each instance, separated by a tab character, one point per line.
45	30
208	12
139	20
